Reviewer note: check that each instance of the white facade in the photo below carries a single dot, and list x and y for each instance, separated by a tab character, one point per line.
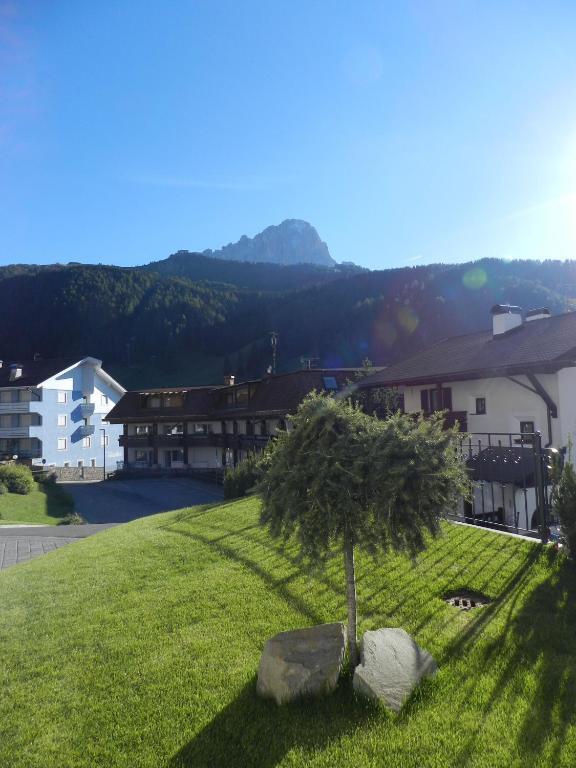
508	404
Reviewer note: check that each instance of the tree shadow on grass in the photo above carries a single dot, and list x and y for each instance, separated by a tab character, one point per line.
279	585
537	637
252	733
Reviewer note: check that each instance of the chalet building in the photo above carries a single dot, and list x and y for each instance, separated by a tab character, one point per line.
52	413
520	376
502	385
207	428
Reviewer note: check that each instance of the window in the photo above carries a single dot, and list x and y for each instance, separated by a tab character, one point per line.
527	427
142	429
154	402
431	400
173	400
80	462
174	429
87	442
62	397
200	429
480	406
103	441
62	443
15	396
330	383
62	420
103	399
242	395
141	457
92	462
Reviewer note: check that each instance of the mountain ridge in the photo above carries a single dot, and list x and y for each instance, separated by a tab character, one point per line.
293	241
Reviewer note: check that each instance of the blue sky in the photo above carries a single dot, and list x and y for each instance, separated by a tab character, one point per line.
406	132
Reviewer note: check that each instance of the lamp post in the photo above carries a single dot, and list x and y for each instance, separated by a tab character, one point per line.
103	431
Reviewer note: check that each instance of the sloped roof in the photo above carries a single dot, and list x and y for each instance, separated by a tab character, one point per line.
284	393
272	395
536	346
34	372
131	406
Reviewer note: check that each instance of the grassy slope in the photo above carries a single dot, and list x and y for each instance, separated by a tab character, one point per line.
47	504
139	647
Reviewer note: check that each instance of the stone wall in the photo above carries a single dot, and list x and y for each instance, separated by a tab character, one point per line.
75	473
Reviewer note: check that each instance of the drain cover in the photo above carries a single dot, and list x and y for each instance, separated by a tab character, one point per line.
465	599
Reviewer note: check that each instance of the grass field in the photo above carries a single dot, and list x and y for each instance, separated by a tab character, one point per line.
139	647
48	504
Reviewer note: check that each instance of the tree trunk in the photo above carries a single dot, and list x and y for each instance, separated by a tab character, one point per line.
350	597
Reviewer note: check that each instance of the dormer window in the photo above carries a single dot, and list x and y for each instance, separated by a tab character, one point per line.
330	383
15	371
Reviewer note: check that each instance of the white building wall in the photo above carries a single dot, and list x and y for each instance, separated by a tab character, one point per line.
567	408
507	404
205	457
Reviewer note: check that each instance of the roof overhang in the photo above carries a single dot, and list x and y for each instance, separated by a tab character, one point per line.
470	375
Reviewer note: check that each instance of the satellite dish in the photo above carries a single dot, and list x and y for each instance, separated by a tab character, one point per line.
43	461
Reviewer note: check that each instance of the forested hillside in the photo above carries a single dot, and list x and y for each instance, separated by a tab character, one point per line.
199	317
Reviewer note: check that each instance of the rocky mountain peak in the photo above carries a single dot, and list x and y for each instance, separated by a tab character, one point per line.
292	242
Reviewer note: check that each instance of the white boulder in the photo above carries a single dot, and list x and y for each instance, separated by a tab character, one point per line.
391	666
302	663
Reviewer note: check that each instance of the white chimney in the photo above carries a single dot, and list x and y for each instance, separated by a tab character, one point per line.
543	313
504	318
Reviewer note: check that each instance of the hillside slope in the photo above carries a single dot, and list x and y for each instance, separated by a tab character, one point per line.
157	321
139	647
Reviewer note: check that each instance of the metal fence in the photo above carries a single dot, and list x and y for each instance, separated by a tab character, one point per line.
510	483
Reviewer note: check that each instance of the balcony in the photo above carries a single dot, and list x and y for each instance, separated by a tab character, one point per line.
136	441
86	410
170	441
10	432
19	407
85	430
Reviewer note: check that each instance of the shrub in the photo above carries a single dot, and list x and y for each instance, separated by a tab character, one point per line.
240	480
3	489
17	478
564	505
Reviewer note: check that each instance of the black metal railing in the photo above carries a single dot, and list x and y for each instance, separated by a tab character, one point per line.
510	483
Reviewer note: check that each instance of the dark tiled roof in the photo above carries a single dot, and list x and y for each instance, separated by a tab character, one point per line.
284	393
272	395
198	402
538	345
34	371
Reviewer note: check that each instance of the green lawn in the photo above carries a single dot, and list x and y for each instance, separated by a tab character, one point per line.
48	504
139	647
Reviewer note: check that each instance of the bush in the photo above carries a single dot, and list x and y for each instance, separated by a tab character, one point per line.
564	505
240	480
17	478
3	489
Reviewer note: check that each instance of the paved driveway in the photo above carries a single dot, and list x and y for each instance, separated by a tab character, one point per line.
118	501
20	543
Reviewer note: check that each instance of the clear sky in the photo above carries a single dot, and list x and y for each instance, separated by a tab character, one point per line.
405	132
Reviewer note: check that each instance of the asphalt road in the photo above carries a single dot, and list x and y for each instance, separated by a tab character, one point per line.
119	501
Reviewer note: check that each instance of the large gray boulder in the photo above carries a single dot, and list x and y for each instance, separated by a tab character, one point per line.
303	662
391	666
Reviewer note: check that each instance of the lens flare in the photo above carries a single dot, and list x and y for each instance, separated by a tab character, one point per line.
385	333
407	319
475	278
